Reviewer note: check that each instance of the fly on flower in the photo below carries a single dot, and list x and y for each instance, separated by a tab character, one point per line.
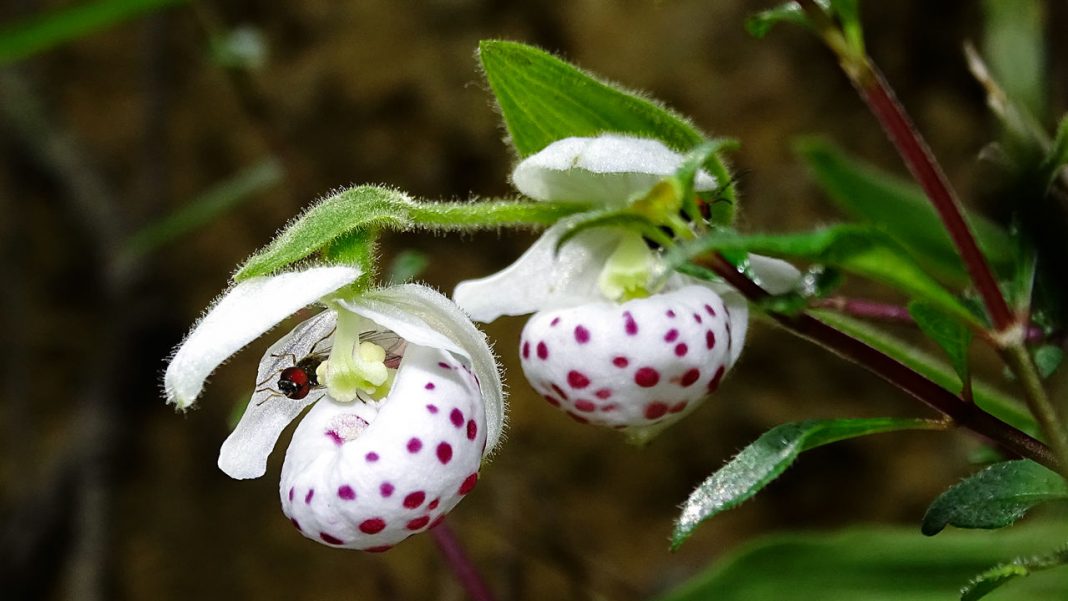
608	343
407	403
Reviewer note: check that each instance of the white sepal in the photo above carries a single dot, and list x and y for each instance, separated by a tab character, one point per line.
541	278
244	453
423	316
238	317
607	169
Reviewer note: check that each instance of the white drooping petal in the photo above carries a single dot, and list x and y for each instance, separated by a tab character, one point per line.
542	278
244	453
645	362
422	316
609	169
369	475
238	317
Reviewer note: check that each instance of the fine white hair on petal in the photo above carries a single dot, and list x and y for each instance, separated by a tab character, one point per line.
238	317
425	317
369	475
645	362
542	278
244	453
609	168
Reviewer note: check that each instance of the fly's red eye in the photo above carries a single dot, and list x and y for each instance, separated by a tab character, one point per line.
294	382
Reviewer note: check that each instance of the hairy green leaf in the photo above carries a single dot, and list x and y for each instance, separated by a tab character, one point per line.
872	564
768	457
948	333
47	30
856	249
985	583
368	208
988	398
901	211
995	497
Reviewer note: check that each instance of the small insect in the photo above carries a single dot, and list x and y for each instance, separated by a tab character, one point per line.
296	381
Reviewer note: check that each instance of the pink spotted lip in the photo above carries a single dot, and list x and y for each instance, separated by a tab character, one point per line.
369	475
644	362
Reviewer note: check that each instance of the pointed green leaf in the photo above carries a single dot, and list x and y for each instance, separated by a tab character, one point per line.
1048	358
873	564
856	249
985	583
948	333
995	497
47	30
1057	157
901	211
767	458
1014	39
988	398
761	23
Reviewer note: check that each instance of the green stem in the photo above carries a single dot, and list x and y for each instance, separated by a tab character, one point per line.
1018	359
490	214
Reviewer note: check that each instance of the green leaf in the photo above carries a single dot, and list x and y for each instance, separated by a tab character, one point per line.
206	207
950	334
856	249
872	564
768	457
995	497
1014	40
761	23
1048	358
406	266
985	583
848	13
369	208
544	99
988	398
901	211
1057	157
47	30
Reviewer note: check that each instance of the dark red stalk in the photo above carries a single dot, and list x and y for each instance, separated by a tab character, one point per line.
460	564
963	413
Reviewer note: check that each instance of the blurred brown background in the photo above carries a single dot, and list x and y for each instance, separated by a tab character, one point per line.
108	494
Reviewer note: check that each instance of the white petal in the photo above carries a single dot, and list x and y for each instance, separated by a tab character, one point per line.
244	454
369	475
240	316
425	317
608	169
541	279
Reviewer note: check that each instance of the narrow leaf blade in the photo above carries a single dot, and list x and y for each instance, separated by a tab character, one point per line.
995	497
766	458
948	333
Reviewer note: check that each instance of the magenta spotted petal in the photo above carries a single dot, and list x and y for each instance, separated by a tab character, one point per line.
369	475
646	362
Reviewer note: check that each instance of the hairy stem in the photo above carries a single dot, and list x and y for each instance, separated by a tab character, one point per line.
460	564
963	413
1042	408
919	159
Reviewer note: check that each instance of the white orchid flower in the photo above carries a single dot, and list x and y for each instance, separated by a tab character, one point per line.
600	346
407	401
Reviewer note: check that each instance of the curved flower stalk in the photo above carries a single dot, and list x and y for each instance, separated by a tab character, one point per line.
605	344
406	402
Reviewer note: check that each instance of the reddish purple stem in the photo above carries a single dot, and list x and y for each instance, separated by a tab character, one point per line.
460	564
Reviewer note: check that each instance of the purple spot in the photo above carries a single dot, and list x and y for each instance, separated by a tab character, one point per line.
386	489
559	391
414	445
710	339
554	322
472	429
681	349
444	453
710	310
671	314
333	540
629	325
585	405
456	417
414	499
697	317
429	386
372	526
345	492
543	351
582	335
646	377
603	393
371	457
690	377
291	494
432	408
444	365
713	384
577	379
526	349
671	336
620	362
308	497
334	436
296	524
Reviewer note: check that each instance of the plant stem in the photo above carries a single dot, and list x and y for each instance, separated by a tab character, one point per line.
882	102
1042	408
963	413
460	564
